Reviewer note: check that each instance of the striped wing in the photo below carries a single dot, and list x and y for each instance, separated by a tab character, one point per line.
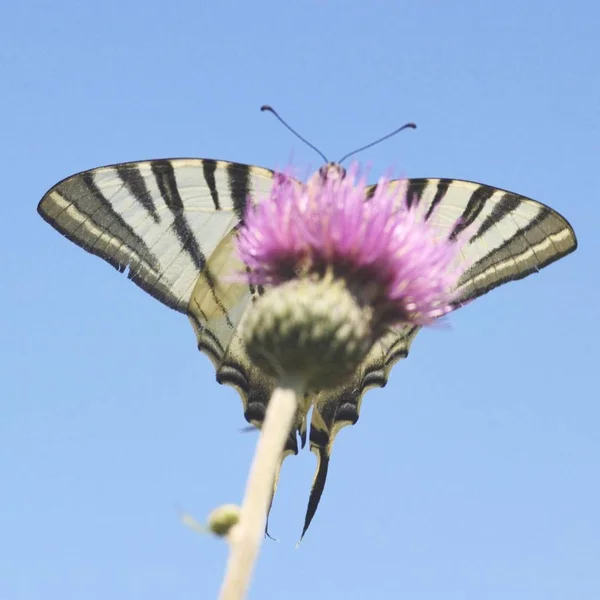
511	237
158	220
170	224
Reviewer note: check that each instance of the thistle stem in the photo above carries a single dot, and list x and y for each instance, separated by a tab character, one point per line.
246	537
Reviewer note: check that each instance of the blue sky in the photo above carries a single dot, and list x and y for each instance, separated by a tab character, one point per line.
472	476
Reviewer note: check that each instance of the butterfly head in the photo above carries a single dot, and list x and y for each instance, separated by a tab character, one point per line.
328	172
332	171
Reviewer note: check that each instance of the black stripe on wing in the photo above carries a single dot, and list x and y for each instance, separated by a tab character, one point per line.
441	190
164	174
209	168
136	185
473	209
413	193
508	204
239	183
208	342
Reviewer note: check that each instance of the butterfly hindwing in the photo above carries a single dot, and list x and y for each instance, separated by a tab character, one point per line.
217	308
335	409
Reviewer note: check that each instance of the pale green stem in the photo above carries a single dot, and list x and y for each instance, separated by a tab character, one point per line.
246	537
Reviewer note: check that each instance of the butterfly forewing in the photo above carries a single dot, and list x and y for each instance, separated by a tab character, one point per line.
159	219
510	236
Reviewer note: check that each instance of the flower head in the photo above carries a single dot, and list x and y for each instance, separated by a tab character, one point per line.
380	250
391	256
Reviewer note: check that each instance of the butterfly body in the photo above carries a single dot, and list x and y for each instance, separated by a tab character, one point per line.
171	225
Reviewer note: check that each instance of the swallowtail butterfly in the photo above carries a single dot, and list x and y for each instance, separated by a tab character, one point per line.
171	225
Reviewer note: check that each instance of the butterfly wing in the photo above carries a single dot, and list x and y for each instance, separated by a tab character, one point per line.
510	237
158	220
170	225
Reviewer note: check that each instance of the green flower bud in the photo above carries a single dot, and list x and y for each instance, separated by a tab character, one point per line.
309	327
223	518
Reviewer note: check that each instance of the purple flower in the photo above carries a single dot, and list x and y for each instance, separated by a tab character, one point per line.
391	258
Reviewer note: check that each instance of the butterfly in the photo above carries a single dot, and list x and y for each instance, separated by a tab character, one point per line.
170	225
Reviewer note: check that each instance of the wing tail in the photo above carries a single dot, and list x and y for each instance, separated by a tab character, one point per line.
291	448
339	408
333	411
323	454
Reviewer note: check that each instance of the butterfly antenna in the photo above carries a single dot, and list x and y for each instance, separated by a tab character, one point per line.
385	137
272	110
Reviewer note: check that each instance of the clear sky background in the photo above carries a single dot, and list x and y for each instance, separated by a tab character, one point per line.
473	476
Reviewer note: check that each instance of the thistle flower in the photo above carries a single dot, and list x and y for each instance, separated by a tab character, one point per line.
340	266
340	270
